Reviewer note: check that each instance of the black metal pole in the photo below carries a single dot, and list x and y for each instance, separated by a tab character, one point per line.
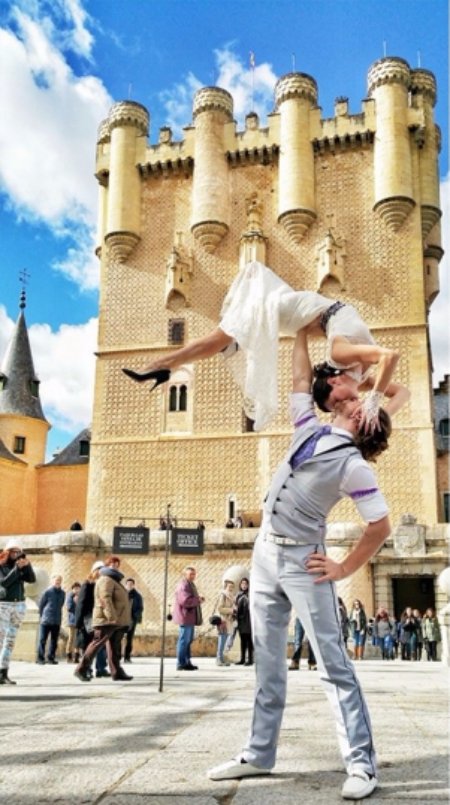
164	610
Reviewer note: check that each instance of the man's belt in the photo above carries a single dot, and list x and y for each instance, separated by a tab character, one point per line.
278	539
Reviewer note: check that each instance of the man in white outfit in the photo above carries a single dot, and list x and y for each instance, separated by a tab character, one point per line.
291	570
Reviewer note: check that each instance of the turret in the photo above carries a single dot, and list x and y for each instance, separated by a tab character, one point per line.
295	96
128	128
102	166
388	83
211	209
423	90
23	426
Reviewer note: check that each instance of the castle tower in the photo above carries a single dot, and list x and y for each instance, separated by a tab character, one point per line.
295	96
388	82
423	90
128	129
212	200
23	428
213	109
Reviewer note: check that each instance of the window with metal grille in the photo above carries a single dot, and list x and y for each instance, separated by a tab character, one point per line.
34	388
19	444
176	331
84	447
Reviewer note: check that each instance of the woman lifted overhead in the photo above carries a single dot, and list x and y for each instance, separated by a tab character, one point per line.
258	308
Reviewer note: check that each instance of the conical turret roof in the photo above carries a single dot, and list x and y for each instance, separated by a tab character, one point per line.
19	386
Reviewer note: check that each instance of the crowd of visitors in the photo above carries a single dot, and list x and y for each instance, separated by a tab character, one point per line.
102	613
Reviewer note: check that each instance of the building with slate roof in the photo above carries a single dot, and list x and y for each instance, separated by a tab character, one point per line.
34	497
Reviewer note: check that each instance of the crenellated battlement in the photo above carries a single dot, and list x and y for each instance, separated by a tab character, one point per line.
208	99
296	85
129	113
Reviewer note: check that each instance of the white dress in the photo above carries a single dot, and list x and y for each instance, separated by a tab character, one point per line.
258	308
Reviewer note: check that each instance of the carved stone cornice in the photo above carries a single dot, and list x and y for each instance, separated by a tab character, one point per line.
180	165
103	135
297	222
430	217
121	244
213	98
433	251
343	141
395	210
295	85
390	70
209	234
129	113
263	155
423	82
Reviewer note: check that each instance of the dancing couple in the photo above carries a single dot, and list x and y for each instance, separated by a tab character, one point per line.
290	566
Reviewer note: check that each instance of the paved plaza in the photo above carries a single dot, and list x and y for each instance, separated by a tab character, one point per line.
119	743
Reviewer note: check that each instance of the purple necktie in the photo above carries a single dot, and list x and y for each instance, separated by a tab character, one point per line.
306	450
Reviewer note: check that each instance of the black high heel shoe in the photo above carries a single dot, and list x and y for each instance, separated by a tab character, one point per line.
159	375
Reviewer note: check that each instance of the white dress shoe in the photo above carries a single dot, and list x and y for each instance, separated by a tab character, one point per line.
359	785
235	769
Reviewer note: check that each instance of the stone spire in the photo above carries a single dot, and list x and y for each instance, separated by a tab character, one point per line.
19	386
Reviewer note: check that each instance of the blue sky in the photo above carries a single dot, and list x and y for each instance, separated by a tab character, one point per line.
64	62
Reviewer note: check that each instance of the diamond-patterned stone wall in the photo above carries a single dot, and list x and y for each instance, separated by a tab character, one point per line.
135	468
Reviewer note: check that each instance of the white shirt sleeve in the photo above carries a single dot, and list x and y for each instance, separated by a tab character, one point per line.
301	408
361	485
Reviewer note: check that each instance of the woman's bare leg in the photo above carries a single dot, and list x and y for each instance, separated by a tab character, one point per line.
204	347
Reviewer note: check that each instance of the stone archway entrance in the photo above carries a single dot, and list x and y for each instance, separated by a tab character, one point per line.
413	591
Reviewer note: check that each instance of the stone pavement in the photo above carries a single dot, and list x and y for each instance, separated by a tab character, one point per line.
64	741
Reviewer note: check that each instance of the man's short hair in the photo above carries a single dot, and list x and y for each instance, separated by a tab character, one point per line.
130	580
321	388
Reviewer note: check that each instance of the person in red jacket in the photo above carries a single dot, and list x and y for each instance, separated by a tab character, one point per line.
187	613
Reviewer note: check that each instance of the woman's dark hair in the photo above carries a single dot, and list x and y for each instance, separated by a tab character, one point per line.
371	445
321	389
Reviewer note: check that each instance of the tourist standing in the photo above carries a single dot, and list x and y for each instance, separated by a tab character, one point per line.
187	613
50	617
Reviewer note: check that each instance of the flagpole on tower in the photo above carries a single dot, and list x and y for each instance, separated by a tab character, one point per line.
252	67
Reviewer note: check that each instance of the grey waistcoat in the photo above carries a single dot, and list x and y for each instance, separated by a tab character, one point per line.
298	503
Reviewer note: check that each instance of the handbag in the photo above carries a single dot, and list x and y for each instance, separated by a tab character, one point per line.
215	619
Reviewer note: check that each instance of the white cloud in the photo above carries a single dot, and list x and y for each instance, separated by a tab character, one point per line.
251	90
48	125
65	364
439	312
81	264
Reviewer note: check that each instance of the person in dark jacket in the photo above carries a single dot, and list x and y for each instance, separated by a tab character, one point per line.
83	620
50	616
71	606
242	615
137	608
111	617
15	572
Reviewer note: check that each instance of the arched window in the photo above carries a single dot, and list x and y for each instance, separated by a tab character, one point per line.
173	398
178	398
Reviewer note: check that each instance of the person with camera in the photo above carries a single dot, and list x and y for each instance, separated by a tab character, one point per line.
15	572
